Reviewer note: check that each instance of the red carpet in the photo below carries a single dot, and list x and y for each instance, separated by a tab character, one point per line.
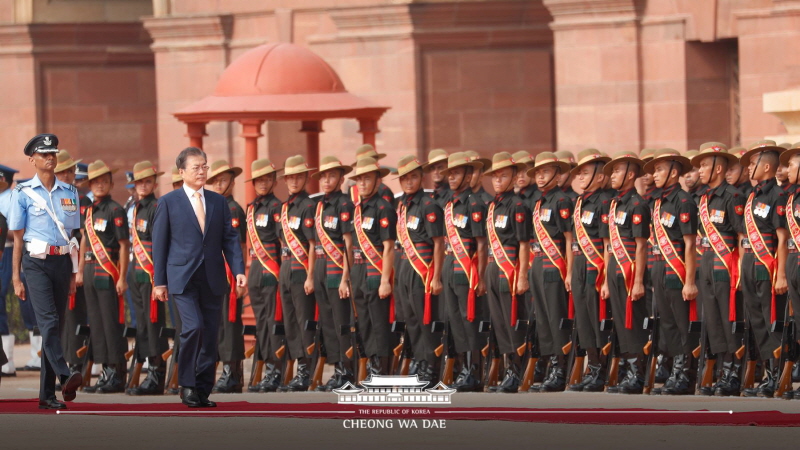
334	411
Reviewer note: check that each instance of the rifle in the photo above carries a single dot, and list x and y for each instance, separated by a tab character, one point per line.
651	350
85	353
611	350
787	352
446	350
282	353
705	359
403	354
318	347
135	369
491	356
576	354
748	352
254	351
172	369
397	352
529	350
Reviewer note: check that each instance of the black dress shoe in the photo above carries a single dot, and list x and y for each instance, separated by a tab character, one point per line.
204	401
51	404
191	398
70	386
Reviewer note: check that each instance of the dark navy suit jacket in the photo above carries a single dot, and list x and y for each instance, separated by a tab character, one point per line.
179	247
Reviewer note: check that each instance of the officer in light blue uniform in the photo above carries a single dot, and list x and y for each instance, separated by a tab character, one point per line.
42	250
7	174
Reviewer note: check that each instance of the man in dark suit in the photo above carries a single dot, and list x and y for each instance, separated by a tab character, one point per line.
192	239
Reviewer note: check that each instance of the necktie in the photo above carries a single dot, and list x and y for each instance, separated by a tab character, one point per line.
199	211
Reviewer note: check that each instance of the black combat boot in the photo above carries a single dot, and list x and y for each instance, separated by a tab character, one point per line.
301	380
670	382
597	380
622	373
547	374
101	380
153	383
232	379
634	377
425	373
684	383
115	380
511	382
345	374
272	379
469	381
334	380
557	381
663	369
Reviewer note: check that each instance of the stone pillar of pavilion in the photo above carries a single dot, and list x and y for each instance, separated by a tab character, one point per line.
251	131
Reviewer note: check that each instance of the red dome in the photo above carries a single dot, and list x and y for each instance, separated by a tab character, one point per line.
275	69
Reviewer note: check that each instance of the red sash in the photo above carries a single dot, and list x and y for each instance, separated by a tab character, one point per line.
503	261
626	263
730	258
422	268
101	254
370	252
794	227
292	241
325	240
551	250
232	299
263	256
672	257
71	302
468	265
594	257
762	252
146	263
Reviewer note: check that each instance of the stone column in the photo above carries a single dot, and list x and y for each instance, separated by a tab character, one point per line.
251	131
312	129
368	127
195	132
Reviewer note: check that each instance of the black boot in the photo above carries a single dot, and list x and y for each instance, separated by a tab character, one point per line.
334	380
622	373
511	382
728	383
301	380
767	387
232	379
115	382
597	379
101	380
469	381
153	384
557	381
272	379
634	377
345	375
425	373
796	373
670	382
684	380
663	368
547	373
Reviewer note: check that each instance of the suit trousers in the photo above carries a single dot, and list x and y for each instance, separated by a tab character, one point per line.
49	281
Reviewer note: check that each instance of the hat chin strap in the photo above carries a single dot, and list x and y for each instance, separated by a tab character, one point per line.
594	174
555	175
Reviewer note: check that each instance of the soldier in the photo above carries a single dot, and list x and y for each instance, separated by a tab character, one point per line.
420	229
436	165
368	151
150	313
551	262
49	260
375	226
791	158
177	181
738	176
508	230
648	189
75	313
675	291
565	179
721	208
333	225
6	179
221	179
104	258
590	228
296	279
625	284
463	268
263	228
477	176
763	277
691	182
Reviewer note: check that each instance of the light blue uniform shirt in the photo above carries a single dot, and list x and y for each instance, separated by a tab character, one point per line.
5	202
63	201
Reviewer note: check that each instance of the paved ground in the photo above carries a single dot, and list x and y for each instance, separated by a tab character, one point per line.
96	432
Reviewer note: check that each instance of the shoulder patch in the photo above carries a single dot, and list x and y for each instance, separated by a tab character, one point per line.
684	200
380	207
781	210
118	221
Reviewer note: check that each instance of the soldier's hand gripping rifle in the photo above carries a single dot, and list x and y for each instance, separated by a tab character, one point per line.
529	350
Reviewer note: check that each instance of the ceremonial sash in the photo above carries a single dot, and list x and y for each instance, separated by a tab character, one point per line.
292	241
670	254
503	261
794	227
730	258
624	260
370	252
422	268
331	249
553	253
760	247
263	256
146	263
101	254
594	257
468	265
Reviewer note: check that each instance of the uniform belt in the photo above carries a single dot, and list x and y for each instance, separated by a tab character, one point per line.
490	258
10	243
657	257
654	250
748	250
745	243
792	245
53	249
358	257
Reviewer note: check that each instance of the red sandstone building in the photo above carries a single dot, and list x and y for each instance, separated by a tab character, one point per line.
489	75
